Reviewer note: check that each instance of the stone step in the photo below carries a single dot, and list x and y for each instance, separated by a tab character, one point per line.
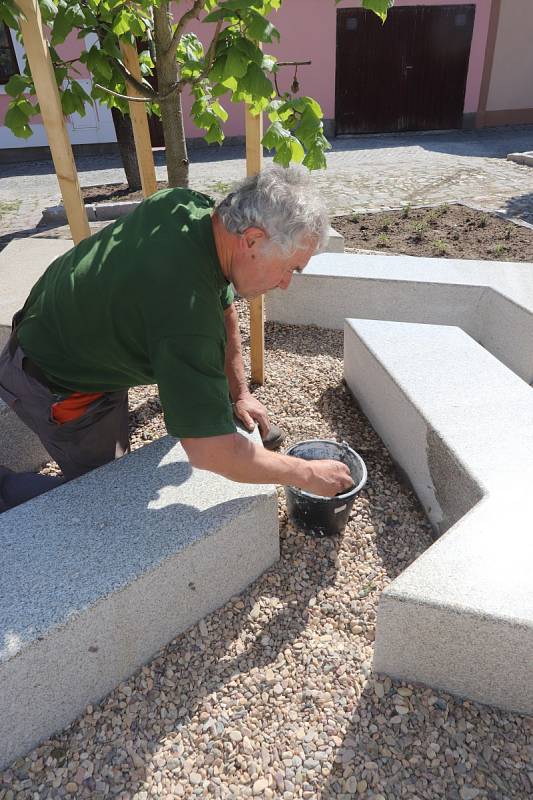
100	573
22	262
460	425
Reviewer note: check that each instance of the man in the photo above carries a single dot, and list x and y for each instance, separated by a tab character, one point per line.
149	299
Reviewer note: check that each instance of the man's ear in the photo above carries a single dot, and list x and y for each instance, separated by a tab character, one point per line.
253	236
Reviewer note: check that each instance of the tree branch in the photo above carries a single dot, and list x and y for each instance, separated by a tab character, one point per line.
155	97
135	99
192	13
128	77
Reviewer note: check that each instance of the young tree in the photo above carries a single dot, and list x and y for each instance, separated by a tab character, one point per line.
232	66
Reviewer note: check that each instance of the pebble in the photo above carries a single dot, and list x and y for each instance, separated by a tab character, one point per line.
469	793
260	785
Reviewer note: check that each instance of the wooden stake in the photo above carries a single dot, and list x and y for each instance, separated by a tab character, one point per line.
139	121
42	71
254	163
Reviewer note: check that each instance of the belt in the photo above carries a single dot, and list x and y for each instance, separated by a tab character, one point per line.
29	366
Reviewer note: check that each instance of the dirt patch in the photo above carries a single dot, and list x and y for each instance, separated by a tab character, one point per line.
447	231
114	193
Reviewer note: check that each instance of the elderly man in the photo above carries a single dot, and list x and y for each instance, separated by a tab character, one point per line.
149	299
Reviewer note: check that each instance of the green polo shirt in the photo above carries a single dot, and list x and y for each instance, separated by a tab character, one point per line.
140	302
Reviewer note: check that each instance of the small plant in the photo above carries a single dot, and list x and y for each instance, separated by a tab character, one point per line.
8	206
443	209
440	247
354	218
483	220
220	186
419	229
508	233
406	210
499	249
382	240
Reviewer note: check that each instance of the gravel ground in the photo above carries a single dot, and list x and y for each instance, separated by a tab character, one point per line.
273	696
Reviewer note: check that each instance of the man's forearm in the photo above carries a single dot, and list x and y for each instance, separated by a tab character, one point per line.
234	366
239	459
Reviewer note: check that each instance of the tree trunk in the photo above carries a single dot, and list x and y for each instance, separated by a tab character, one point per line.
171	113
126	146
126	142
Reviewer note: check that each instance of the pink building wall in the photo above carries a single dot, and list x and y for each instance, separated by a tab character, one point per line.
308	31
69	49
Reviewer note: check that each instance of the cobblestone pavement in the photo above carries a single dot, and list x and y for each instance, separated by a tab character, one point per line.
364	173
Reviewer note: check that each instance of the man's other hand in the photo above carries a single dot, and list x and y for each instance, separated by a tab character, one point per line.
250	411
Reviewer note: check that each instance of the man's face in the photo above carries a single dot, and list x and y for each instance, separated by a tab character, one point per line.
257	268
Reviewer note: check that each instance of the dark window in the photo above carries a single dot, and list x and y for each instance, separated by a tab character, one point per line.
8	62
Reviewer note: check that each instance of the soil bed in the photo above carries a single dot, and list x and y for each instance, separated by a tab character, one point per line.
114	193
447	231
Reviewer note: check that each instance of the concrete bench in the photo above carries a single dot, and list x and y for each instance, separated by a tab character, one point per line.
460	424
100	573
492	301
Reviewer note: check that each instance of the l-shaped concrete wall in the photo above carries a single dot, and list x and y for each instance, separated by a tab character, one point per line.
455	410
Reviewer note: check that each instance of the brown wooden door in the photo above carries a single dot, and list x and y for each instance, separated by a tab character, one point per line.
408	74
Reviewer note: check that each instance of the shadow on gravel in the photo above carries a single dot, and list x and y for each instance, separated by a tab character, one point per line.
475	747
486	142
398	543
521	206
198	154
302	339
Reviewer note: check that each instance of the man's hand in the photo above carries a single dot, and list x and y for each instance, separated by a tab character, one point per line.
327	478
249	410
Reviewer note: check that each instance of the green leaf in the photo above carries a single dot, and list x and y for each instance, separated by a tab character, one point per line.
9	14
80	92
17	84
214	134
71	103
16	119
379	7
259	28
63	24
121	24
255	83
219	111
315	159
48	9
236	64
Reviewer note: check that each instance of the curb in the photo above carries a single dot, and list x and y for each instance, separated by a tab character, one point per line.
522	158
105	212
96	212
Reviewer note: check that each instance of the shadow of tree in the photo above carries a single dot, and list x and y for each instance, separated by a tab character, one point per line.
521	206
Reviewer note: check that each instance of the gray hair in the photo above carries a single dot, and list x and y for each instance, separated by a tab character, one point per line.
283	203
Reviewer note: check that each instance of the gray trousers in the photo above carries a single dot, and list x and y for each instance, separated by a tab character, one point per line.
97	437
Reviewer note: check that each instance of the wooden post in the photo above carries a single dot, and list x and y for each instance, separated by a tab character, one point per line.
139	121
38	55
254	163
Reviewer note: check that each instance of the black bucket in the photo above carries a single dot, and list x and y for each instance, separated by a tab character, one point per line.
324	516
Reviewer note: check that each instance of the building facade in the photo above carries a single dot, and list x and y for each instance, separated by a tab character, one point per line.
436	64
